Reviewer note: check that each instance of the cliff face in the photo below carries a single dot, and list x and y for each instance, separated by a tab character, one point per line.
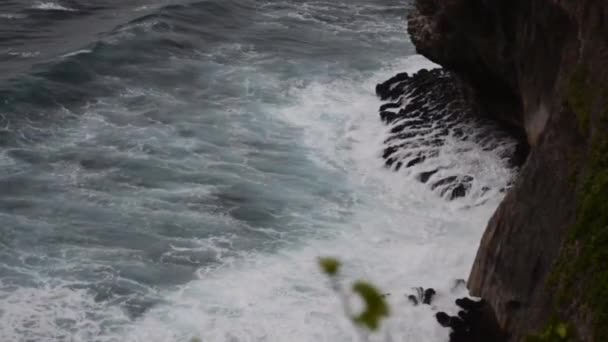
542	67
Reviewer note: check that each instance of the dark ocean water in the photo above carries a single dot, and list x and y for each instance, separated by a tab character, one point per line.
171	169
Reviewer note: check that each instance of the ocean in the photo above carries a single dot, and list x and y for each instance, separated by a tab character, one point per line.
172	170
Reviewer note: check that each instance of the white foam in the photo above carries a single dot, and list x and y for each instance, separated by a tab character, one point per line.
51	6
76	53
12	16
388	228
53	311
395	232
24	54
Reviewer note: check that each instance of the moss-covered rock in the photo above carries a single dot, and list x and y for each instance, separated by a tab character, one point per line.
556	331
580	98
581	273
583	270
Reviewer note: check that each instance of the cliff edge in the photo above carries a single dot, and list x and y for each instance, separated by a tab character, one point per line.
540	66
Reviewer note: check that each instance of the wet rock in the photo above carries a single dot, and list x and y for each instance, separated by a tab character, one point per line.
444	182
424	296
428	296
390	106
475	323
459	284
425	176
459	190
424	111
469	304
443	319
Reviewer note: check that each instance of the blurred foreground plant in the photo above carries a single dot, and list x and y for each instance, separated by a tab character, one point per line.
375	307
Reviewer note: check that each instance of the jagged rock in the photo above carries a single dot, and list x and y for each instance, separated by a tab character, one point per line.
429	294
474	323
413	299
424	296
425	110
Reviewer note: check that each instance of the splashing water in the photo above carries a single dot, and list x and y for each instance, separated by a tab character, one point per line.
180	178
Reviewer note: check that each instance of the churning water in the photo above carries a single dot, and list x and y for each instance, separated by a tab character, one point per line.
172	169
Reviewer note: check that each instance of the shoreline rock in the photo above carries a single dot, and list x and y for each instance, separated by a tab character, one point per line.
423	111
539	66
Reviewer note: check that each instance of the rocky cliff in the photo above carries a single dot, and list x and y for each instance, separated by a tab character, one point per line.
540	66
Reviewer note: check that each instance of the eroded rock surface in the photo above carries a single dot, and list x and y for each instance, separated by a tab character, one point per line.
430	109
541	67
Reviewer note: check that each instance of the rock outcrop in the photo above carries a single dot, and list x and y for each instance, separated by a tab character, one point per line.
541	67
427	110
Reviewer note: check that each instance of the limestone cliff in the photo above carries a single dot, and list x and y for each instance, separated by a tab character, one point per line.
540	66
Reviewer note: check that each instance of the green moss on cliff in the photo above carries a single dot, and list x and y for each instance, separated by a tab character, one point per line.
581	274
580	98
591	233
555	331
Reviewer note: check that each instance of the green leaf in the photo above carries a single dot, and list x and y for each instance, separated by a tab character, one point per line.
375	306
330	266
